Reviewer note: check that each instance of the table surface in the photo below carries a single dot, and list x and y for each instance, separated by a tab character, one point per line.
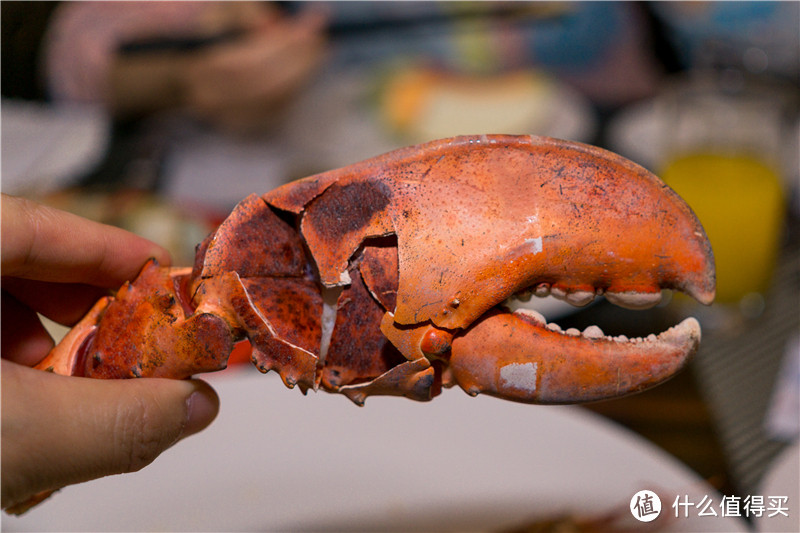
275	460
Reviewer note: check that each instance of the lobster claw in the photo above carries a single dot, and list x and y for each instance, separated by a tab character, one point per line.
389	277
477	220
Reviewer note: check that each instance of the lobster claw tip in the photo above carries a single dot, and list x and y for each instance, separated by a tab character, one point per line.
703	294
687	333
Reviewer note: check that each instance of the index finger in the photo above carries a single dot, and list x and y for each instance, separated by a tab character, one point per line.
42	243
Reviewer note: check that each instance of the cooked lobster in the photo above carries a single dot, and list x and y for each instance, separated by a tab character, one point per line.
389	277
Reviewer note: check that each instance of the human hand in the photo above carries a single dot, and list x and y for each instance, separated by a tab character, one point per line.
240	85
60	430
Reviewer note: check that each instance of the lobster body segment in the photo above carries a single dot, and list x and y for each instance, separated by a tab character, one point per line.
422	246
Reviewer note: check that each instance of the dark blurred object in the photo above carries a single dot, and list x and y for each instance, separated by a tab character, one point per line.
177	44
135	157
23	25
761	38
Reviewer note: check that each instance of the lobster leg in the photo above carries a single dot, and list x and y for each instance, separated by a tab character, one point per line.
152	307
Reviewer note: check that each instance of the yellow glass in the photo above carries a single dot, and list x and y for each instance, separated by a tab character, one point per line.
739	200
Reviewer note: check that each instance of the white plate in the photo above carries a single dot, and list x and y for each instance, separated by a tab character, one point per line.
276	461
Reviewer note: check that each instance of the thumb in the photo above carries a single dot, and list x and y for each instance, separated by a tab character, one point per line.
59	430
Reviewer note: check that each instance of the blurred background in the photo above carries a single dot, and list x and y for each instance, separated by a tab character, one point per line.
160	116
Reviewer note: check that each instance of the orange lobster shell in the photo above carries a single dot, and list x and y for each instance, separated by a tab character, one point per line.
389	276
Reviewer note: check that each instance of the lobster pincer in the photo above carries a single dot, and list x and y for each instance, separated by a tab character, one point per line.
389	277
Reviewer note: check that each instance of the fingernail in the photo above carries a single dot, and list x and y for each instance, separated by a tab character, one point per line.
162	256
202	408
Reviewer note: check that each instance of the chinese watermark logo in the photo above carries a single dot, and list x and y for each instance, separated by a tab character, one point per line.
749	506
645	506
